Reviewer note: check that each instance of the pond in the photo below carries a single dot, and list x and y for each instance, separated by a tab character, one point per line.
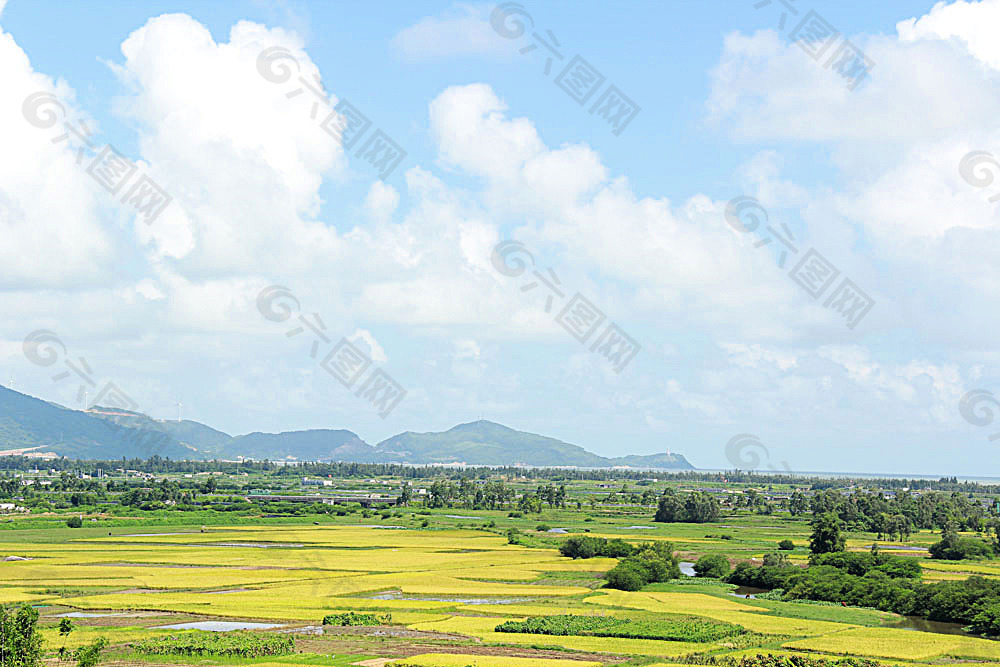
398	595
923	625
893	547
747	592
687	568
219	626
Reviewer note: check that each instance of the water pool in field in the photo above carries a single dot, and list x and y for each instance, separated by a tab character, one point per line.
81	614
219	626
747	592
923	625
687	568
398	595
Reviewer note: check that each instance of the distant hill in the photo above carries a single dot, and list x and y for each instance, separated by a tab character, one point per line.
32	426
27	423
488	443
315	445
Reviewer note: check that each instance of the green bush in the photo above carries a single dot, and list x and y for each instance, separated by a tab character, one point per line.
987	621
89	656
681	629
351	618
960	548
219	644
650	564
74	522
20	643
786	545
712	565
592	547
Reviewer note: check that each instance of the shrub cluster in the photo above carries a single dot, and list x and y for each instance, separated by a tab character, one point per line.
649	564
888	583
592	547
712	565
352	618
768	660
220	644
681	629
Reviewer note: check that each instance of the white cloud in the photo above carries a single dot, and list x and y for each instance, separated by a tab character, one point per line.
464	30
375	351
974	24
56	220
245	162
3	3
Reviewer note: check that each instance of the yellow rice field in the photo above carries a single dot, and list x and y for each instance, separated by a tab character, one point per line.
455	585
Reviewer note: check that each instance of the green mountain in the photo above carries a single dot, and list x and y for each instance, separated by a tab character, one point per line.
487	443
32	426
315	445
27	423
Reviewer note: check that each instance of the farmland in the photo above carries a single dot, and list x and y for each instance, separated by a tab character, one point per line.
451	585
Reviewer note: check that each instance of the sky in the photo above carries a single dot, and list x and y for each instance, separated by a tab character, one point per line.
763	237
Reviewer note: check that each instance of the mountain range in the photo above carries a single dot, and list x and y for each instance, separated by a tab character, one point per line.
32	426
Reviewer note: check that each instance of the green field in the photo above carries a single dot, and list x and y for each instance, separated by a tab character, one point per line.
423	585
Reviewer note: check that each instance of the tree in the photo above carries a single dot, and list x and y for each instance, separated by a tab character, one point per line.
776	560
798	504
826	536
786	545
626	576
74	522
405	495
954	547
20	642
89	656
697	507
65	627
987	621
712	565
669	509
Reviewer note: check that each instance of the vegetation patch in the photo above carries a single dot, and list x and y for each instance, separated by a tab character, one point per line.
352	618
685	629
219	644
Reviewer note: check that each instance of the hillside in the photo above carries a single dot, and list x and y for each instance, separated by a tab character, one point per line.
488	443
30	425
314	445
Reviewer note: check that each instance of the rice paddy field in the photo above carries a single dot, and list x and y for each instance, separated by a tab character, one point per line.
438	593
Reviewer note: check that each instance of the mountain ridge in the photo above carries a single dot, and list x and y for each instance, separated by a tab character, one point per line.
29	425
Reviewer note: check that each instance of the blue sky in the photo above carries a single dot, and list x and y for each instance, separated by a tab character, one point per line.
729	341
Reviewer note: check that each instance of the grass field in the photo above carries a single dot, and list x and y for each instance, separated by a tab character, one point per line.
447	588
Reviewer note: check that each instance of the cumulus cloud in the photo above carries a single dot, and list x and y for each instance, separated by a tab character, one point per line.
58	223
971	23
245	164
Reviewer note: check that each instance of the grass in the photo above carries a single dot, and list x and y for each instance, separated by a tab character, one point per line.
310	572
